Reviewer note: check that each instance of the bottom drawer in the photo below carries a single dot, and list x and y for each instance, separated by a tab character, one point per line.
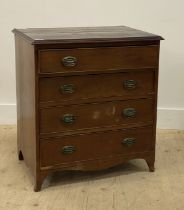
95	145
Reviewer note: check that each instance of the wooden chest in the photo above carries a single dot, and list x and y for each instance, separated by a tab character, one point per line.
86	98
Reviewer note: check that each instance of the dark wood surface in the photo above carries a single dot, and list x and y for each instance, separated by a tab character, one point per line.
96	59
98	87
84	34
106	56
26	109
95	145
89	116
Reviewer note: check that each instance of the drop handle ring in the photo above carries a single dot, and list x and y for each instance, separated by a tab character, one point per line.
68	119
68	149
67	88
128	142
69	61
129	112
129	84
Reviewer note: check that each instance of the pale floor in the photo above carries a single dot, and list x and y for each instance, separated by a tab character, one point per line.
126	187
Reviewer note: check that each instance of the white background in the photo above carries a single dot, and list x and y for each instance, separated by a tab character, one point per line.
161	17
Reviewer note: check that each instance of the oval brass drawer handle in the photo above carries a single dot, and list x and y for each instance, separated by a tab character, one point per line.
129	112
130	84
128	142
68	149
69	61
68	118
67	88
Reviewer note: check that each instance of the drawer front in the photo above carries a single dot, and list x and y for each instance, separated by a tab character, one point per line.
95	145
95	59
72	88
85	116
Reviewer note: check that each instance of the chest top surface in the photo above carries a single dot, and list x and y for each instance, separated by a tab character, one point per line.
84	34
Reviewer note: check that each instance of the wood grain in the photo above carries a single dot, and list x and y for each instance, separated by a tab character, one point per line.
84	34
96	59
103	87
26	110
95	146
89	116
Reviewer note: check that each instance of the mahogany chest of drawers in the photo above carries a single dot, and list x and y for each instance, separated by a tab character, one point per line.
86	98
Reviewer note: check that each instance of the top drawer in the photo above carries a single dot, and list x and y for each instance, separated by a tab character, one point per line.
96	59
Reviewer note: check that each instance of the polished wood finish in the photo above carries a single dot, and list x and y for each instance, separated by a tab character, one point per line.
103	86
26	109
95	145
85	35
88	116
83	116
92	59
